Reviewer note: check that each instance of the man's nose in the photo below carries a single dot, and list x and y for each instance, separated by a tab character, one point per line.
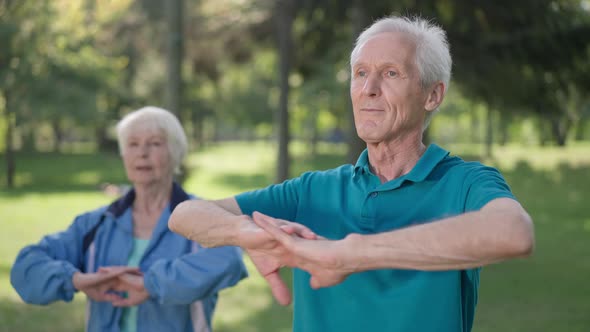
372	87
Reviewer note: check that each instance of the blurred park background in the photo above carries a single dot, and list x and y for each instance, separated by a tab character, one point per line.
261	87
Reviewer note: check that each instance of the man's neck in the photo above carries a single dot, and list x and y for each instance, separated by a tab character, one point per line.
390	160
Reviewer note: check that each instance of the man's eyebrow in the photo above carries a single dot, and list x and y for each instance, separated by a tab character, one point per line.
381	65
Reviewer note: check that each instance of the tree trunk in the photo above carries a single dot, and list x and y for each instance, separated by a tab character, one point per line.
360	20
489	132
285	14
504	126
174	47
57	135
543	137
28	137
559	129
314	132
581	127
198	134
474	130
9	155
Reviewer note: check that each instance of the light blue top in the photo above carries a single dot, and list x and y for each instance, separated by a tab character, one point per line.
351	199
129	315
182	278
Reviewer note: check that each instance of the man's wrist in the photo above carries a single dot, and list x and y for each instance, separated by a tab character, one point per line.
235	238
355	258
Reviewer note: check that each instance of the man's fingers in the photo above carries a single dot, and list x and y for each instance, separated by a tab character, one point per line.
299	230
265	222
305	232
286	226
278	288
289	229
314	282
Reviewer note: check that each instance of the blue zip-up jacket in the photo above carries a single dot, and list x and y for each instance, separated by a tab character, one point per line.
182	277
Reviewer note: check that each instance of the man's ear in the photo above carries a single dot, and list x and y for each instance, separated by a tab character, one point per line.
435	96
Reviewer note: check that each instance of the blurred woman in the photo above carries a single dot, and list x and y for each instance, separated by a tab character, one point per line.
136	273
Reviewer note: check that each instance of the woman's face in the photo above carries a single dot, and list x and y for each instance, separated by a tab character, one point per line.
146	155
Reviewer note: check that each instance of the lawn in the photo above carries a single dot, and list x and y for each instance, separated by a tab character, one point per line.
548	292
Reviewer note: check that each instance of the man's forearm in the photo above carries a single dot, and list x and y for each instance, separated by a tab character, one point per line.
211	224
465	241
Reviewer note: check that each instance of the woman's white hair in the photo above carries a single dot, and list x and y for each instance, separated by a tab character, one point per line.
433	57
160	119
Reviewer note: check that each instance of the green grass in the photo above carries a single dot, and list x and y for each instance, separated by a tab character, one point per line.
548	292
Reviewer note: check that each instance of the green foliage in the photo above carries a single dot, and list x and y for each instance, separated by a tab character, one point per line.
76	66
249	93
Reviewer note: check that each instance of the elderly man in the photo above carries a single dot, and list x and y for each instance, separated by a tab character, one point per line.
395	242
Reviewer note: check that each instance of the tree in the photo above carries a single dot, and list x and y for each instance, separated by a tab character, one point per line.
16	64
285	15
174	55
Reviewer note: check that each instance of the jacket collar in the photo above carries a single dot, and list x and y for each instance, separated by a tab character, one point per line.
118	207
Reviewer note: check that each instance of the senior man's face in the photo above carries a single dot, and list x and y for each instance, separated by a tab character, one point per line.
387	99
146	155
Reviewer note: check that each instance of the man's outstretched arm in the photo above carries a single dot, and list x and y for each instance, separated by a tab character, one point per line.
221	223
500	230
210	223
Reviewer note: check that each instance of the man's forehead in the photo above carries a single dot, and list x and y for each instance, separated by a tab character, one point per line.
386	45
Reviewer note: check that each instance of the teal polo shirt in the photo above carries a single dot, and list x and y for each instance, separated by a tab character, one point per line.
351	199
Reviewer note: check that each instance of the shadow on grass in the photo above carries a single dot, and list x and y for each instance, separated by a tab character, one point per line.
240	182
16	315
63	317
56	172
4	271
561	192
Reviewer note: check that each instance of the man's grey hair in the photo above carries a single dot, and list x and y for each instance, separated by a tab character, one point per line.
433	57
161	119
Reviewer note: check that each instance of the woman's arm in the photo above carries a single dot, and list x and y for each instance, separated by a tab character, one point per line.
42	273
194	276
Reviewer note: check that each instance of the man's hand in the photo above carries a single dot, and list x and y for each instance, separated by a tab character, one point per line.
322	258
97	285
131	283
266	252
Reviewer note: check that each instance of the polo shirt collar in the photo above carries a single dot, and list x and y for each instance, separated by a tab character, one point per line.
426	164
431	157
362	164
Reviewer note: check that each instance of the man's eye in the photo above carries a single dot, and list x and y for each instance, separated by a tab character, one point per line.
361	73
391	73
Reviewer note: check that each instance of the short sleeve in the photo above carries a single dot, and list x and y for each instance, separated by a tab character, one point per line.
279	200
484	184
